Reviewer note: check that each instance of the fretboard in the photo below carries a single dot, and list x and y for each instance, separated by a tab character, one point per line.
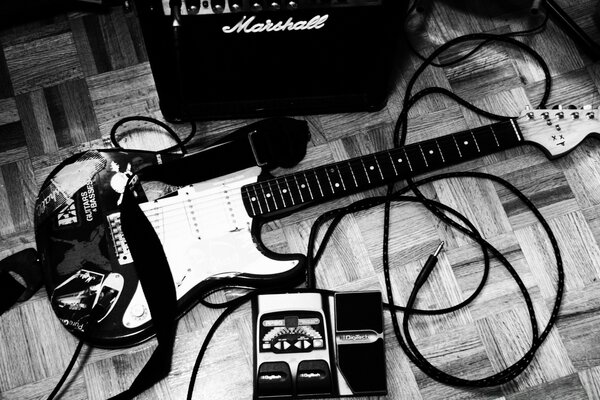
357	174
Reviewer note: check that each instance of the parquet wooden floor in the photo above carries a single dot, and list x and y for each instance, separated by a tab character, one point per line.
65	80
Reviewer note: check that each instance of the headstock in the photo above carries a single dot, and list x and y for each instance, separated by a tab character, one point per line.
560	130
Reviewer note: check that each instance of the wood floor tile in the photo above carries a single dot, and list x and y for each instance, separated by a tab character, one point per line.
66	79
42	63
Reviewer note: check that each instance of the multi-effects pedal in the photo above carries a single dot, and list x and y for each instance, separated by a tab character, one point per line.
249	58
318	344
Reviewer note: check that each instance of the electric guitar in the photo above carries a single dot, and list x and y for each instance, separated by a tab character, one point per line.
210	231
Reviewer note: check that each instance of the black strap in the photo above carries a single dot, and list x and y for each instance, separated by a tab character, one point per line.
156	279
10	290
268	143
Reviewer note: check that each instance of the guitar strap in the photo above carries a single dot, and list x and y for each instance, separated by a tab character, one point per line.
273	142
269	143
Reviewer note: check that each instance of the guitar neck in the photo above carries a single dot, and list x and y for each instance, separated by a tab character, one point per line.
357	174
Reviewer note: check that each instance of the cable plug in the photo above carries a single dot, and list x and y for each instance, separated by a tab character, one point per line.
428	267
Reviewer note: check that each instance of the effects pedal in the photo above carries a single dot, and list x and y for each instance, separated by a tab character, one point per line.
318	344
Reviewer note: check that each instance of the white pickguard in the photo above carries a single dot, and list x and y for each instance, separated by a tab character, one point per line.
205	233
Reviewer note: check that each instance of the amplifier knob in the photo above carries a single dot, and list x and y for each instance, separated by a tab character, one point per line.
218	6
275	5
235	6
193	6
256	6
292	4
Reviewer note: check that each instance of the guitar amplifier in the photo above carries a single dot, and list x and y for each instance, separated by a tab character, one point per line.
221	59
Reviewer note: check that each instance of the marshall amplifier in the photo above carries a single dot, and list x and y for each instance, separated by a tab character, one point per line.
221	59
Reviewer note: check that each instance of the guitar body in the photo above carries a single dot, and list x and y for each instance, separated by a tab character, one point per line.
208	238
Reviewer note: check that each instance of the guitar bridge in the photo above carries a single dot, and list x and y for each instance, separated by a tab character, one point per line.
119	243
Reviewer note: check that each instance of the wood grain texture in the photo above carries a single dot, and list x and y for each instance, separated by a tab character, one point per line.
65	80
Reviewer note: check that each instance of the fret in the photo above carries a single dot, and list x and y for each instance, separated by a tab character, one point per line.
353	174
258	198
324	181
304	185
407	160
449	150
475	141
372	169
386	165
285	193
495	137
393	163
437	144
379	167
275	185
300	188
423	155
416	158
313	183
288	192
274	193
486	139
364	167
334	183
510	135
466	144
518	134
267	197
457	146
400	162
337	168
359	172
251	200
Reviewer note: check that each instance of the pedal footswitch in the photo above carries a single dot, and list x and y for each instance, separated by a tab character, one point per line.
318	344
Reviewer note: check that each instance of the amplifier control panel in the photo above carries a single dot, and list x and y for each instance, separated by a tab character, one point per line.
210	7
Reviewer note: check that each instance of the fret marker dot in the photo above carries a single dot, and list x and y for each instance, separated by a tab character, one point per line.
303	186
268	194
253	199
371	168
337	185
400	160
466	142
284	190
430	151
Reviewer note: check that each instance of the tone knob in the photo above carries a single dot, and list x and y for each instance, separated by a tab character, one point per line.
138	310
